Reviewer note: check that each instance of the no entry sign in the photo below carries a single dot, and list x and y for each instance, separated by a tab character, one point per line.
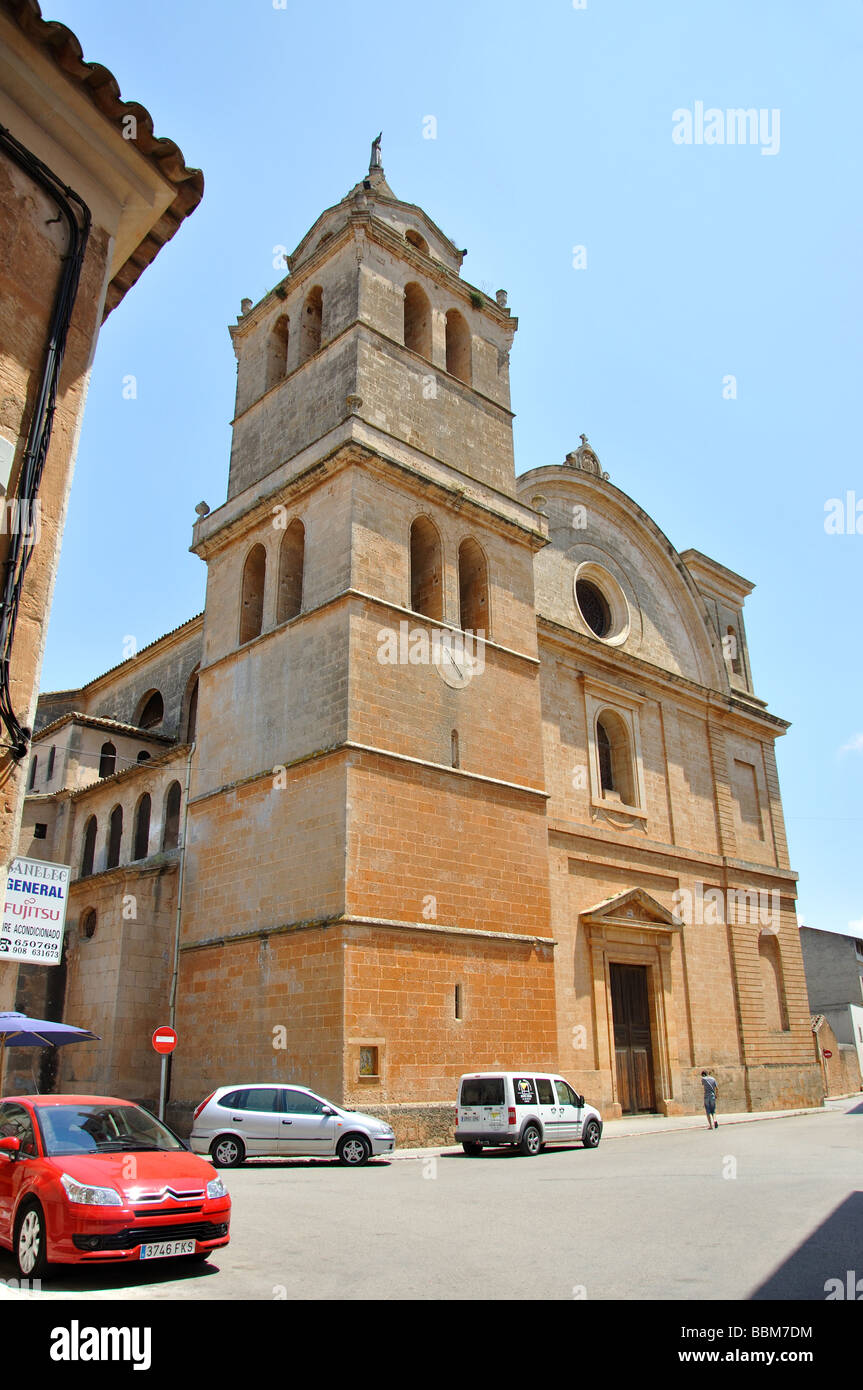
164	1040
827	1052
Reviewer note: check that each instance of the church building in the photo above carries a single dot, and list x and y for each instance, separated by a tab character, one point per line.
458	769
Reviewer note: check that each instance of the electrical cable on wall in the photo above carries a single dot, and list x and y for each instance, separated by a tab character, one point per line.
76	215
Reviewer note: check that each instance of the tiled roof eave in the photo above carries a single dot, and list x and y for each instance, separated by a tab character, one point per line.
99	84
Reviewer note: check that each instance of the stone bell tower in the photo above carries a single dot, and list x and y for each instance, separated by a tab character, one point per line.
367	856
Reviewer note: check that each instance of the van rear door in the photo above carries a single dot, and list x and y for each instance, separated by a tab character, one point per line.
482	1104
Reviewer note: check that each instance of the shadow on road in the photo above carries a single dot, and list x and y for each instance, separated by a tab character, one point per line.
833	1251
107	1278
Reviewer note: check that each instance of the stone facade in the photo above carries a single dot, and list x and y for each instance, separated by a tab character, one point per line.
402	858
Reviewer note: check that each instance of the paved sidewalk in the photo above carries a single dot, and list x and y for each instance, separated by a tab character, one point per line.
634	1125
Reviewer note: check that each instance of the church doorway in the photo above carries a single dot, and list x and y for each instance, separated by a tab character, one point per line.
633	1046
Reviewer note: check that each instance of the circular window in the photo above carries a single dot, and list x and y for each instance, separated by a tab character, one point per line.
601	603
594	609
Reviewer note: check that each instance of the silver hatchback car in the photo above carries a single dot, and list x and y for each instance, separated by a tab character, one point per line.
239	1122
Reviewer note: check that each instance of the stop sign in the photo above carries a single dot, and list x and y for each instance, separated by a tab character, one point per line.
164	1040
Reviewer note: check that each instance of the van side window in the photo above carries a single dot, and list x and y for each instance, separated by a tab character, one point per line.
565	1092
545	1091
525	1090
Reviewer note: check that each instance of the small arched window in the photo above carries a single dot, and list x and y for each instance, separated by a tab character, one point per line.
49	771
614	749
141	842
416	240
291	560
143	756
87	924
772	983
254	579
417	321
311	324
277	351
34	766
458	361
171	832
115	838
192	712
152	710
107	760
426	569
89	852
472	587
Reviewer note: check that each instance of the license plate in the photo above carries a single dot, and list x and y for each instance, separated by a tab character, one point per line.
164	1248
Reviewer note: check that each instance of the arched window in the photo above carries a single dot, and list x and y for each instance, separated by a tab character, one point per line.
107	760
49	771
277	351
115	837
141	841
254	578
143	756
426	569
33	769
87	923
418	333
472	587
616	773
416	240
310	327
458	346
171	831
89	852
192	712
772	985
152	710
291	557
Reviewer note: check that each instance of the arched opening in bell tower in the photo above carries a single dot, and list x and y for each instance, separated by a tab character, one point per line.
418	335
310	328
426	569
458	346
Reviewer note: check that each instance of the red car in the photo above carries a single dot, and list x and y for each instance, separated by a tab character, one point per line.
86	1179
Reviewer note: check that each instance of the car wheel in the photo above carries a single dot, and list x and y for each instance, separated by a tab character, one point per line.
227	1151
472	1150
591	1134
31	1241
353	1149
530	1142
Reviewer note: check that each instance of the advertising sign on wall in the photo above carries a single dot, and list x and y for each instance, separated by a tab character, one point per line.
34	912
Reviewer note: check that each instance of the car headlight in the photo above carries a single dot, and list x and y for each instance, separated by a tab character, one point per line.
90	1196
216	1188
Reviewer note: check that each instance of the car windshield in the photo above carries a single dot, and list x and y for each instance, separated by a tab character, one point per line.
102	1129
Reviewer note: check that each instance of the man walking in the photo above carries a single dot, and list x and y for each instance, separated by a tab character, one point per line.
710	1093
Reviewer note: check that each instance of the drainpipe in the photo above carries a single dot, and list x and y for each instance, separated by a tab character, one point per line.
172	999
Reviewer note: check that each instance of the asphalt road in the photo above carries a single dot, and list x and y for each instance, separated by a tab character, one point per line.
771	1209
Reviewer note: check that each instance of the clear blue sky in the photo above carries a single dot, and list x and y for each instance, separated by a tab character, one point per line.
554	130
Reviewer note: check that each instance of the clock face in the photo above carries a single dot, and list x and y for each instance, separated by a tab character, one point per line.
455	667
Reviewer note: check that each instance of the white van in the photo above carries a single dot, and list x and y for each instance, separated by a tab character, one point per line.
526	1109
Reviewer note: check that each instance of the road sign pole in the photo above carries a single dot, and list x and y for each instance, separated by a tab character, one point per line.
164	1041
163	1087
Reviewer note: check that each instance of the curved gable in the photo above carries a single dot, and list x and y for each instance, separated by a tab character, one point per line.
596	528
